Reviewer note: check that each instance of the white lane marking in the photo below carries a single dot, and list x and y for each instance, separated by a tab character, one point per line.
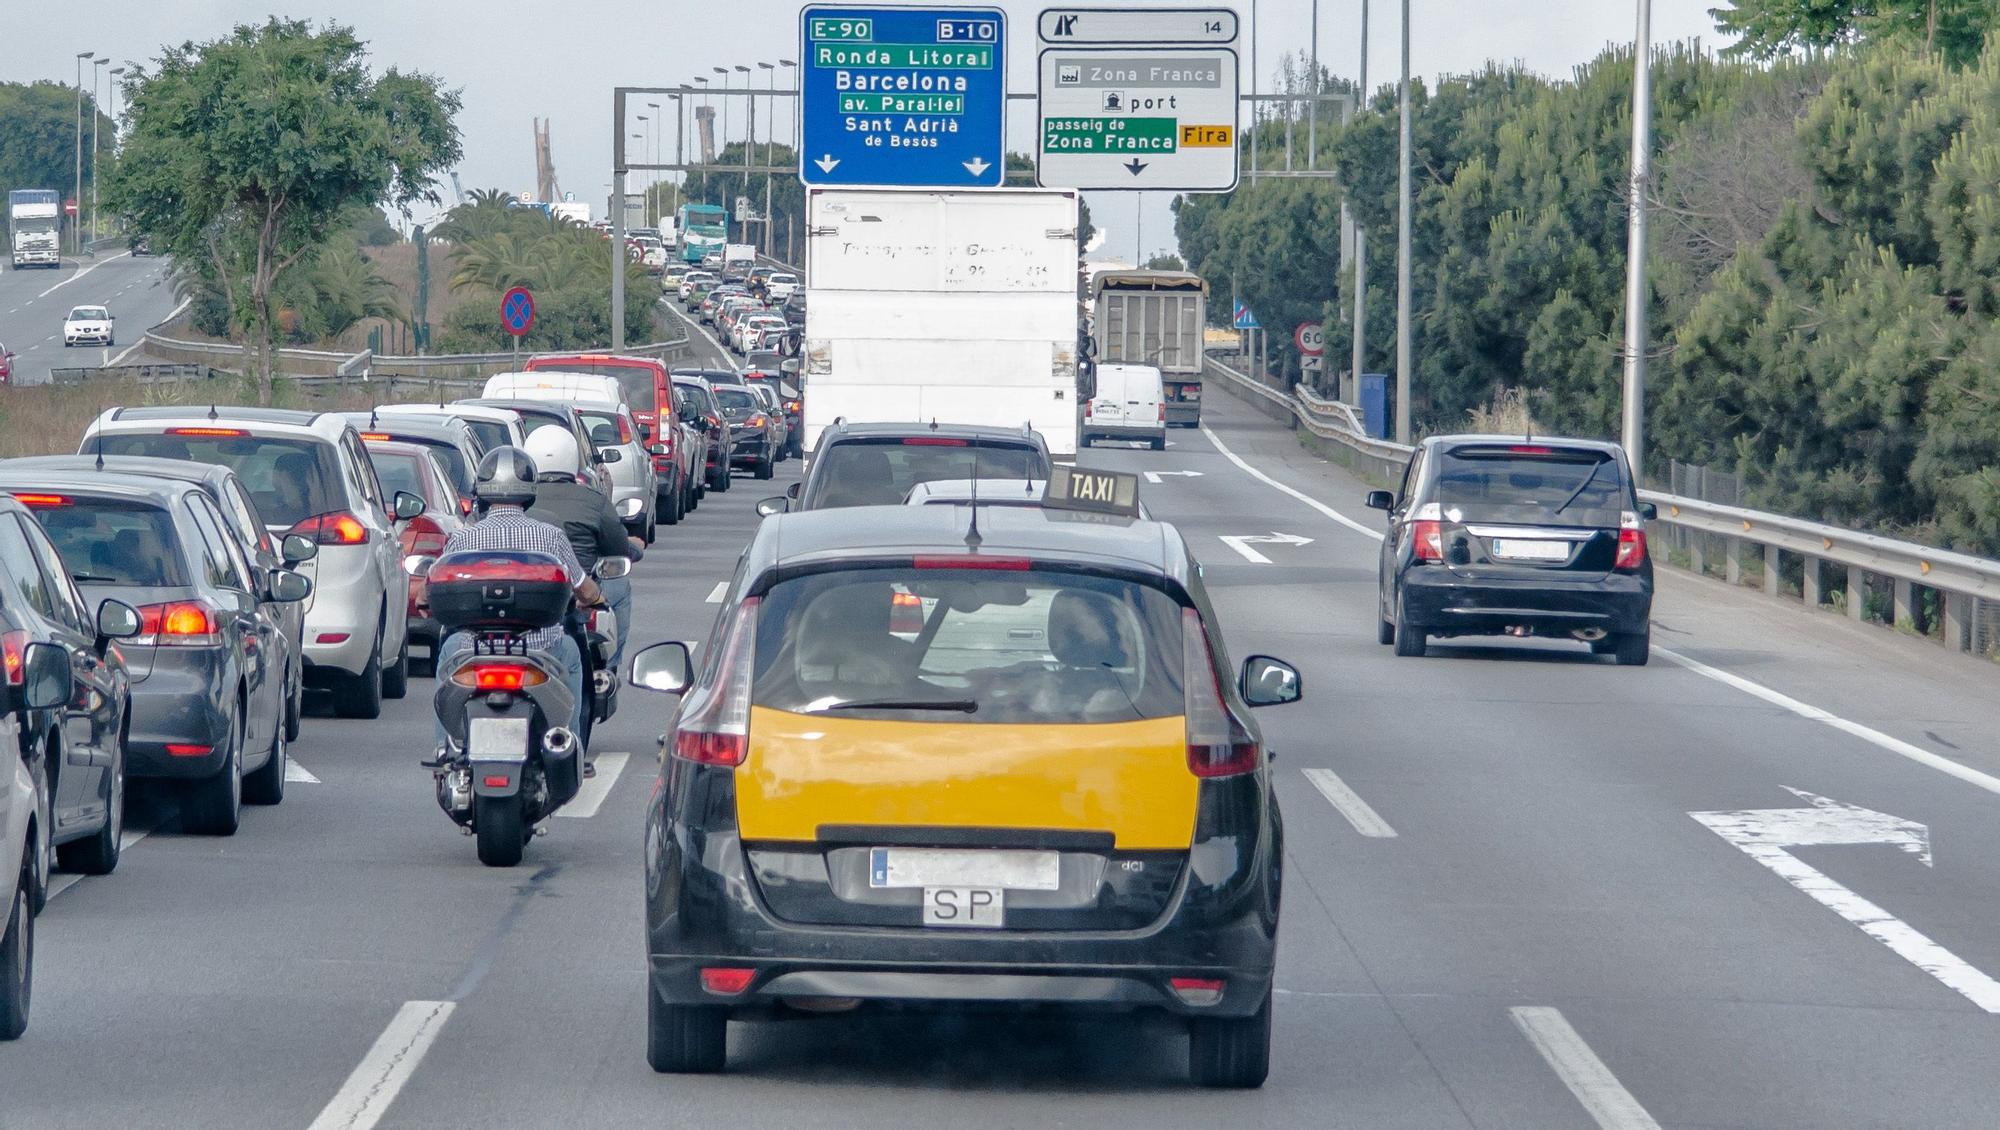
120	359
1868	734
715	594
1302	496
80	274
1250	555
1767	835
591	796
1603	1097
1161	476
373	1085
1241	543
1348	803
299	773
60	883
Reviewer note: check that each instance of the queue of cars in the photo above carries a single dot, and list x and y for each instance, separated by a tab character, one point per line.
170	593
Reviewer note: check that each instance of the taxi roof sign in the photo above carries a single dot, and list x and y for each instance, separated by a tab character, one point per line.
1092	489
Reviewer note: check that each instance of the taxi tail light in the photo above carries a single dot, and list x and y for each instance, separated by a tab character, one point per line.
1218	744
717	730
726	980
14	658
178	623
1631	550
336	527
1428	537
1198	991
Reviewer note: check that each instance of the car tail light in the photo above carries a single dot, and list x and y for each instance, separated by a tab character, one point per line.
498	569
14	658
795	405
717	730
1427	535
758	421
496	780
331	638
498	676
1162	411
1218	745
337	527
906	613
1631	544
178	623
423	537
1198	991
624	430
189	749
376	437
42	501
227	432
974	561
464	505
726	981
1089	409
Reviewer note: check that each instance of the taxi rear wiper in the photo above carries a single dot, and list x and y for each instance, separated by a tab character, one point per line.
955	705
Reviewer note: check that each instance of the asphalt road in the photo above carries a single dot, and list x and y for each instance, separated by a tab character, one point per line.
1509	918
33	304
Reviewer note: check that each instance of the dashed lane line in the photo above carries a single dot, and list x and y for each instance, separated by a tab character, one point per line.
299	774
1348	803
1603	1097
60	883
591	796
715	594
80	274
381	1075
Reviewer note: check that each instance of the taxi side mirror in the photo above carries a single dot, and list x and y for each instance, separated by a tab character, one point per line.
1381	500
664	667
1270	682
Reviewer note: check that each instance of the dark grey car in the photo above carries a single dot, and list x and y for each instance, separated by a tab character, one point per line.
206	669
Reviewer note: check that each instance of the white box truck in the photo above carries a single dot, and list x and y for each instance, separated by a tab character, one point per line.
34	227
959	307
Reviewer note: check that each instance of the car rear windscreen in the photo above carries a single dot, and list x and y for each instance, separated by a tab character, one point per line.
1531	483
400	471
291	479
954	645
115	542
456	467
490	433
868	473
736	399
637	381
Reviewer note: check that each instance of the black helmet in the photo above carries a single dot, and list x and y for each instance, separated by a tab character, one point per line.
506	478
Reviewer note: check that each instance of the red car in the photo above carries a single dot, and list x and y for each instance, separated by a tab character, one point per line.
6	366
414	468
674	443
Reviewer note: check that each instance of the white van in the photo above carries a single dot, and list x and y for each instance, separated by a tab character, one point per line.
575	387
1130	405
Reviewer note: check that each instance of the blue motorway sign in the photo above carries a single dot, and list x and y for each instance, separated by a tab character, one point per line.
902	97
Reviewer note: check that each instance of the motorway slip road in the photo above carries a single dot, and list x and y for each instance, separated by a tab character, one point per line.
1526	888
34	303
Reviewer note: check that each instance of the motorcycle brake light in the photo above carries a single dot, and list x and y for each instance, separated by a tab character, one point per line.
498	676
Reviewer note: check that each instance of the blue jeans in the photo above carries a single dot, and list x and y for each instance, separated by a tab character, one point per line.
566	656
618	594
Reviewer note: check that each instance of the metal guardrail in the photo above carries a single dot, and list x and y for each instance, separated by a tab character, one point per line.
1967	586
300	363
171	373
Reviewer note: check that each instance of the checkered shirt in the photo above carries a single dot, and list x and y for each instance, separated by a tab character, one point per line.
509	529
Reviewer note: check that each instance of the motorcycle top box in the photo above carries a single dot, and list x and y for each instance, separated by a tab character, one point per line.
503	589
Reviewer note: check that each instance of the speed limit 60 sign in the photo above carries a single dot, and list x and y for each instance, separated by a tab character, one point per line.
1311	338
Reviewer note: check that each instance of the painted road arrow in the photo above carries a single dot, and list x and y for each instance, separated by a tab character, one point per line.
827	162
1767	835
1156	476
1241	543
976	166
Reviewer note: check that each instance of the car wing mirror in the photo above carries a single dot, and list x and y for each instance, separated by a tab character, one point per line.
418	564
664	667
1381	500
1270	682
408	506
767	507
792	492
46	679
117	620
297	549
612	568
288	587
1649	512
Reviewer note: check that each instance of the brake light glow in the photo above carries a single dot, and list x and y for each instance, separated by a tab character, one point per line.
906	613
726	981
975	561
337	527
207	432
376	437
717	730
624	430
1631	544
1162	407
498	676
758	420
1198	991
498	569
1427	536
1530	449
932	441
1218	744
14	657
42	501
795	405
464	505
178	623
496	780
177	749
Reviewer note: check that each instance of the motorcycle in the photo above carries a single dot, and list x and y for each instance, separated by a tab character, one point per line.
599	643
504	766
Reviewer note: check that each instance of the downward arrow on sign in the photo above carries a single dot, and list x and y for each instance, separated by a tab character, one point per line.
1135	166
826	162
976	166
1767	835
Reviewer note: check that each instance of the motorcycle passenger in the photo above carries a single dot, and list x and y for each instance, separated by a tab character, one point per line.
505	489
586	517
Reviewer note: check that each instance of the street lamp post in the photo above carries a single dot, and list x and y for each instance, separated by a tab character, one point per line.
1359	361
645	137
749	143
1403	344
1634	434
96	79
723	146
77	238
653	180
770	135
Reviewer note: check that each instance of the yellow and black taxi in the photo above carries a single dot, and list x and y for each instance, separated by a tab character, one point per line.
966	756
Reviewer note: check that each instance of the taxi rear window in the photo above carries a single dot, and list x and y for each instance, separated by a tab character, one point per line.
969	646
881	473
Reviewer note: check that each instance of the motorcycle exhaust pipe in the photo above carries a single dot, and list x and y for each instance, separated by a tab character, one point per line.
1590	635
558	742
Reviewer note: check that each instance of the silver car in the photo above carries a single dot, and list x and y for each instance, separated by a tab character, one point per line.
634	483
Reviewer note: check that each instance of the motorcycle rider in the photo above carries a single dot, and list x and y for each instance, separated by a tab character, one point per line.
586	517
504	489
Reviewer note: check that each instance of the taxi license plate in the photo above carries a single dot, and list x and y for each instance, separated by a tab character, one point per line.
983	907
938	868
1512	549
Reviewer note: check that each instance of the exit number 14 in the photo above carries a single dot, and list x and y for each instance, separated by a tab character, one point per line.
968	31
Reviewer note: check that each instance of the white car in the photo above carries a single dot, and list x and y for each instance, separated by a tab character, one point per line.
781	286
89	325
493	427
615	442
309	475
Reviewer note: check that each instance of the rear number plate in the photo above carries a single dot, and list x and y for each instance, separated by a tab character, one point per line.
1506	549
963	869
965	906
497	739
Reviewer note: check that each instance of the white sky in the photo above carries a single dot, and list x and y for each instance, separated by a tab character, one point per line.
516	60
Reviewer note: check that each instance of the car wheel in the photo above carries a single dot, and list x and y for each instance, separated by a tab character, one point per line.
360	696
17	956
1160	444
1233	1052
98	855
764	468
722	482
653	522
295	702
1410	639
685	1039
670	506
267	784
1385	631
396	676
1634	648
215	806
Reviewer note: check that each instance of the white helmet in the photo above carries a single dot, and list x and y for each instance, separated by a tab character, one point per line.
554	450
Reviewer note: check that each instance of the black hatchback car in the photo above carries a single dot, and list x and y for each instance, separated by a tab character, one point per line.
1491	536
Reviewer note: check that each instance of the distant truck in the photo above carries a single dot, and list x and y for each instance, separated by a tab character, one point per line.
34	227
1154	318
959	307
738	258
